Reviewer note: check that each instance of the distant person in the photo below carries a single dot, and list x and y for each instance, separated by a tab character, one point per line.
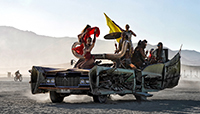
17	73
18	76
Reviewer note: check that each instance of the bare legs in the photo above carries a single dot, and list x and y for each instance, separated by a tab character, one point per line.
86	64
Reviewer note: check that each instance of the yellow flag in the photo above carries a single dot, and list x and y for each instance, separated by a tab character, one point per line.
113	27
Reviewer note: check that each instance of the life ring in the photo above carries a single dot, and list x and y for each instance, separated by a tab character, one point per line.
74	51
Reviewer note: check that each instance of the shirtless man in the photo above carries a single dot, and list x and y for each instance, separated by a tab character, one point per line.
129	34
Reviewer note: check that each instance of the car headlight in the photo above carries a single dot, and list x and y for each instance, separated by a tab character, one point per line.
82	81
87	81
48	80
52	80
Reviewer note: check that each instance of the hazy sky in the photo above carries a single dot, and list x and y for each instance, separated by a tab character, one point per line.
174	22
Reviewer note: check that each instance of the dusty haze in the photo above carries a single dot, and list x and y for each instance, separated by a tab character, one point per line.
20	50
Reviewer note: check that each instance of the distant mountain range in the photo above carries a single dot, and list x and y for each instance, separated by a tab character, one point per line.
25	48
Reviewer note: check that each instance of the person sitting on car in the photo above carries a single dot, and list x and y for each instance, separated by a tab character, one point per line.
126	59
139	56
88	58
151	58
159	53
80	39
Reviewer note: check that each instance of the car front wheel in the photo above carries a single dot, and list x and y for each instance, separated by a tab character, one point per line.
100	98
55	97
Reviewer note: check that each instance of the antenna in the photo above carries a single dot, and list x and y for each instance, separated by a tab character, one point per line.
180	48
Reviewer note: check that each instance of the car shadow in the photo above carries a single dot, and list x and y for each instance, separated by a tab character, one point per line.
166	105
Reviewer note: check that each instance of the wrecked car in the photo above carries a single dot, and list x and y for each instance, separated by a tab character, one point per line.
105	79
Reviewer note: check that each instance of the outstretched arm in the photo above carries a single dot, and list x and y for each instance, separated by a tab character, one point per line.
133	33
142	53
93	42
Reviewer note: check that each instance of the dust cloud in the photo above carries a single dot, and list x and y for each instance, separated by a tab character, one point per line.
42	98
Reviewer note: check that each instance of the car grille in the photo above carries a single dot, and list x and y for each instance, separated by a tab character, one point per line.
67	81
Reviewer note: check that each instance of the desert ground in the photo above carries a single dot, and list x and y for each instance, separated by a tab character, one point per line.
16	98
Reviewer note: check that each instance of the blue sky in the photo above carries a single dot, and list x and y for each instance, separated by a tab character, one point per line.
173	22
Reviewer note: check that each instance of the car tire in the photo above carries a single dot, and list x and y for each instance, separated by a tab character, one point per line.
100	98
55	97
140	98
